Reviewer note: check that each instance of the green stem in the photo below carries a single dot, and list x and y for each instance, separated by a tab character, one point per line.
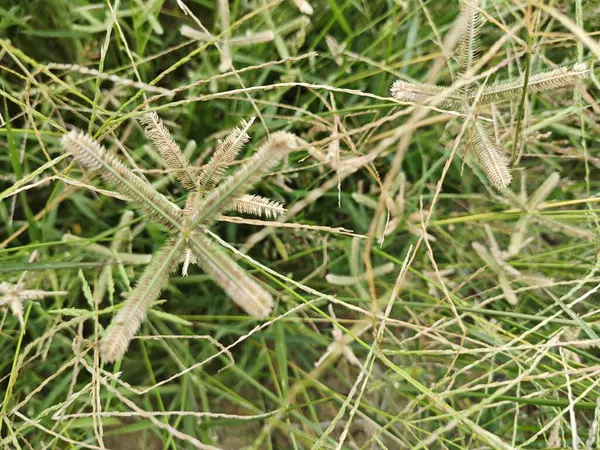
521	112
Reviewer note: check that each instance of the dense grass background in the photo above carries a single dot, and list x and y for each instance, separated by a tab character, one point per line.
454	366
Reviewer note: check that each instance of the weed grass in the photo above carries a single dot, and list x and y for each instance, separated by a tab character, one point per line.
416	305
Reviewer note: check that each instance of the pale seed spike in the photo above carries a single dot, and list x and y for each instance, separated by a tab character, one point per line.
226	152
468	49
128	320
539	195
304	6
542	192
239	286
259	206
192	33
501	91
491	158
208	209
94	156
224	15
252	39
161	139
406	91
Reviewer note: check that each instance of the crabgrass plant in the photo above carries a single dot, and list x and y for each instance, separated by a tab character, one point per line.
208	198
470	96
399	336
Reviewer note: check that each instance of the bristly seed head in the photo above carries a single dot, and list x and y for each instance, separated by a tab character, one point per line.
83	147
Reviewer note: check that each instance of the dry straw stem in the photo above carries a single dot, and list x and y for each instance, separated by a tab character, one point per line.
242	41
94	157
128	320
161	139
119	81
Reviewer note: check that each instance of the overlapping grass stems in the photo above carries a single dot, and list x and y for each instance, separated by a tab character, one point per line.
470	96
454	316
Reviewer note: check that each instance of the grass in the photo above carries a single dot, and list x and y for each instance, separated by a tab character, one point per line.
428	355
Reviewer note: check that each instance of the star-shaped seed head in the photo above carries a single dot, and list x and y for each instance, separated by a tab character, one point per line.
210	195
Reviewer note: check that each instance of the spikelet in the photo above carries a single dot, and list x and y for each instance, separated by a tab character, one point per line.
552	79
252	39
241	287
539	195
542	192
468	48
259	206
495	266
161	139
128	320
224	197
406	91
193	33
226	152
491	158
304	7
94	156
345	280
225	50
336	49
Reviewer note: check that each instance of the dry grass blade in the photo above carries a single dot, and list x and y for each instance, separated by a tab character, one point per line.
234	280
224	197
493	161
226	152
94	157
553	79
161	139
128	320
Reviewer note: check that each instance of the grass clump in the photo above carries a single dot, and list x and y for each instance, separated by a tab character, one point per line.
398	300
